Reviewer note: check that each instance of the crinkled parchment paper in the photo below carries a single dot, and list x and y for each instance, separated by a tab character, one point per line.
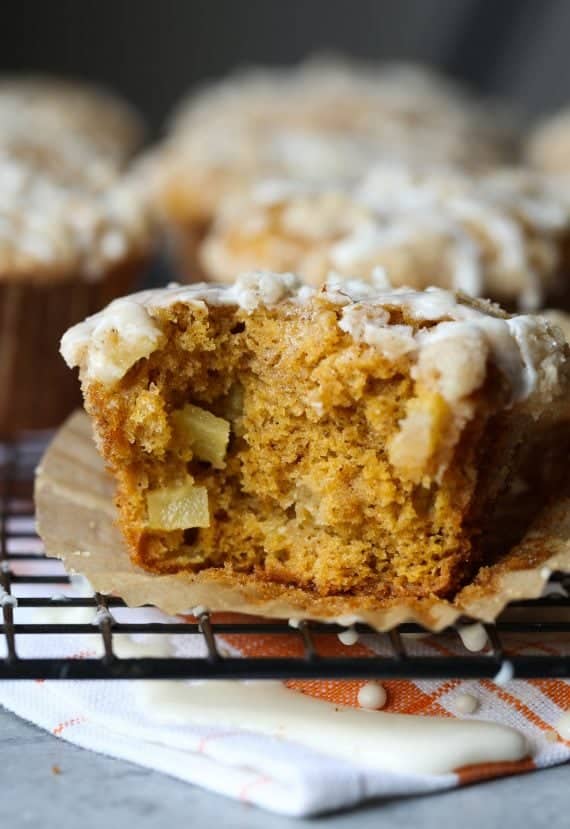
76	520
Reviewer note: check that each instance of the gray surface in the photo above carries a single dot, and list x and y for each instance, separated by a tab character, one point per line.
94	791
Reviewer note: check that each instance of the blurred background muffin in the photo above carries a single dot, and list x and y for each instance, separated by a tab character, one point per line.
74	233
502	235
61	119
322	121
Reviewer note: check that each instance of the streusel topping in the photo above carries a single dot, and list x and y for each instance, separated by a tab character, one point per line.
448	338
499	234
66	116
55	227
397	106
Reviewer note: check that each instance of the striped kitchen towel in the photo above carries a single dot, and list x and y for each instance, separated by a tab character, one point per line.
290	770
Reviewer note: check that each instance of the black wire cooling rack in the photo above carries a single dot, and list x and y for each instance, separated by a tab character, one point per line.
515	643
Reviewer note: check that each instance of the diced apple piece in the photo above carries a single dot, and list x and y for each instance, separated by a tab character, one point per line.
207	434
178	507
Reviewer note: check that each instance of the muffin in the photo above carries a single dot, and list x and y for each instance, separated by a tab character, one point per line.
320	121
342	440
67	121
502	235
74	234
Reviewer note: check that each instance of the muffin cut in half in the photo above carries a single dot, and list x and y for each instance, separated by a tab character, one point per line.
341	440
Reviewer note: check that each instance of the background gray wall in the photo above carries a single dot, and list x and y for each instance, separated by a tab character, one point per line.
152	50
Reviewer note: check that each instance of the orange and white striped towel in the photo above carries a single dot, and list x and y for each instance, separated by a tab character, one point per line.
115	718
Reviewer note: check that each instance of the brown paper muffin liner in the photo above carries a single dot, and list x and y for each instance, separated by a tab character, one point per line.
76	520
37	390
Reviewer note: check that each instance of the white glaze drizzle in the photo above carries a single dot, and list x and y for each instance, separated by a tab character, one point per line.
396	742
115	339
65	226
107	344
124	332
125	647
474	637
372	696
103	615
451	202
505	674
6	599
348	637
479	224
466	703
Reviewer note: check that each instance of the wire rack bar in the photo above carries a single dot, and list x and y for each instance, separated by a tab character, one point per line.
38	592
236	627
473	667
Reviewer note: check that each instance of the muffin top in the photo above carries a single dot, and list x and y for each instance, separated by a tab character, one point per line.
498	234
449	338
57	228
386	103
320	120
68	207
59	118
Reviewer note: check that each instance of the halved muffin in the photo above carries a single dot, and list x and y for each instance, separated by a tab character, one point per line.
341	440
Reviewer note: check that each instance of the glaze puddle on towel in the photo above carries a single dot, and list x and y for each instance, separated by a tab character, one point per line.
395	742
